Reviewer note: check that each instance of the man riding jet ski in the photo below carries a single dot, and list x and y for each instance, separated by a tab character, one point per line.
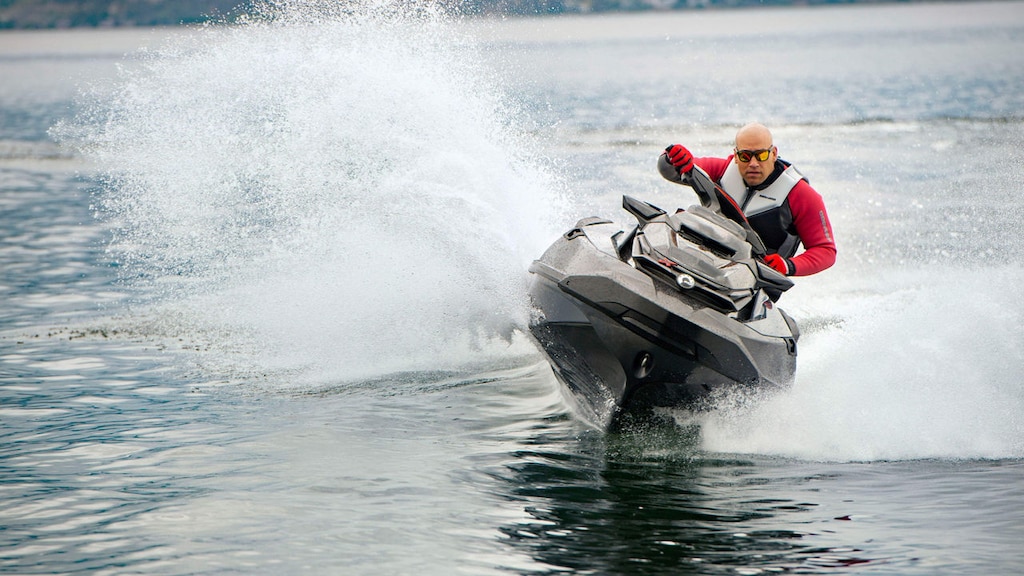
776	199
665	314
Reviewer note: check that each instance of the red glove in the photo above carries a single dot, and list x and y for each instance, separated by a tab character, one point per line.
778	263
679	157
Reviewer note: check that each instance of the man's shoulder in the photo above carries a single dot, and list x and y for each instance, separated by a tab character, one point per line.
803	186
803	196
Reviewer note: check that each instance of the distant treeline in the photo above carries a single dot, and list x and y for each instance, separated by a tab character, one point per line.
111	13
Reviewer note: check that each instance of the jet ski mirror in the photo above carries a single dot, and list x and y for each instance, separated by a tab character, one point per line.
771	281
643	211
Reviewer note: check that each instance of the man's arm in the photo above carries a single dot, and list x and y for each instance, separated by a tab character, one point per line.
715	167
814	229
676	159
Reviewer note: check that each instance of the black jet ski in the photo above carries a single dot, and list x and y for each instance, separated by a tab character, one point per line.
663	314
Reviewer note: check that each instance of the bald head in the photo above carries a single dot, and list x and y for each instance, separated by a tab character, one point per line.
753	136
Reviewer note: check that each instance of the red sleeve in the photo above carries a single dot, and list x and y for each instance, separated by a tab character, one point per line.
715	167
814	229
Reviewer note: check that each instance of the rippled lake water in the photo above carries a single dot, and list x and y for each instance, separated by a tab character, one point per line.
264	289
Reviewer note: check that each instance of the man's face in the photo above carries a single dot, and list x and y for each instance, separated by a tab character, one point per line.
755	171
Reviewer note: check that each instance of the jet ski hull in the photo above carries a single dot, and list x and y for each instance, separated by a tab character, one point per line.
623	343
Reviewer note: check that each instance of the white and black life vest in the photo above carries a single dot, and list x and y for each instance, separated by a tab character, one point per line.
766	209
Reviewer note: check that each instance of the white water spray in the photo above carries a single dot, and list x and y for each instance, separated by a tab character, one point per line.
337	189
929	368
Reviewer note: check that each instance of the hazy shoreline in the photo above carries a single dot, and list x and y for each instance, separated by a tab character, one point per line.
108	14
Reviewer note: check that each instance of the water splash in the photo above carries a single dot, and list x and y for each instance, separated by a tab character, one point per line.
339	188
928	368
